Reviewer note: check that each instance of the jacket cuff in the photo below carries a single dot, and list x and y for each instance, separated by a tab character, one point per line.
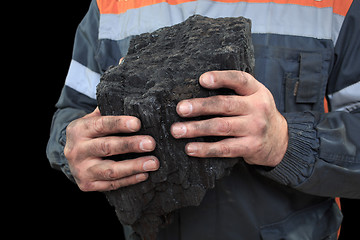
299	160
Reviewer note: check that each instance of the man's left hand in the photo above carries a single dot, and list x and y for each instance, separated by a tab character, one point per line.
256	130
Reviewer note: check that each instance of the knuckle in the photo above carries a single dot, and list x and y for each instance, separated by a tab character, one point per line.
105	148
71	134
224	126
266	103
229	109
86	187
107	124
130	147
241	76
76	125
99	125
228	105
71	127
114	186
221	150
261	126
70	151
67	152
105	170
107	174
125	145
225	150
80	174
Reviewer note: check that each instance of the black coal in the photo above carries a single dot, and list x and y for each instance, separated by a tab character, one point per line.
160	69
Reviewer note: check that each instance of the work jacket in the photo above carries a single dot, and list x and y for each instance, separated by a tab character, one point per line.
306	51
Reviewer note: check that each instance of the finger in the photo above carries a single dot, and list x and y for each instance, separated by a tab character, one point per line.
116	184
229	126
227	148
217	105
108	170
241	82
104	125
112	145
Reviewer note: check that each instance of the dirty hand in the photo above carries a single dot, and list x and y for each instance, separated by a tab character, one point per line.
256	130
88	143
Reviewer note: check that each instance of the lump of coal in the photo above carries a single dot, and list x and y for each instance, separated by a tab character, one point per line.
160	69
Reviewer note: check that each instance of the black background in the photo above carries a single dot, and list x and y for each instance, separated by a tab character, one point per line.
54	206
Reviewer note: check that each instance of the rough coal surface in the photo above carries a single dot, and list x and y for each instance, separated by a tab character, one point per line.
160	69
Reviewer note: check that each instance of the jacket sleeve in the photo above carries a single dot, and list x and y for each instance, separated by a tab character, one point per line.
323	155
78	95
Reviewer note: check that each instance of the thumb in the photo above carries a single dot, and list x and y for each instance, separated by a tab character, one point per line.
95	113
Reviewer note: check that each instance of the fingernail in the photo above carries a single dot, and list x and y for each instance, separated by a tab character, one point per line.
207	79
150	165
185	108
141	177
133	125
146	145
191	149
178	130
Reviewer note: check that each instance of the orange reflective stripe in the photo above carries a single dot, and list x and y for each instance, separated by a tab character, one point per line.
326	105
120	6
312	3
337	200
341	7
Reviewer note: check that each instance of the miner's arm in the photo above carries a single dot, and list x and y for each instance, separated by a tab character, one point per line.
316	153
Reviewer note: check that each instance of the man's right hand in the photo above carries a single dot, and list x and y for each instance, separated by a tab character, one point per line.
88	143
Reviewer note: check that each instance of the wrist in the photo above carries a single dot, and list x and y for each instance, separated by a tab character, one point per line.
281	144
299	159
